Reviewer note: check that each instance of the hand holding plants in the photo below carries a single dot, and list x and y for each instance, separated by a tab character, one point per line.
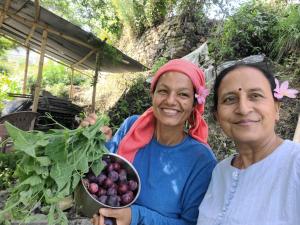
91	120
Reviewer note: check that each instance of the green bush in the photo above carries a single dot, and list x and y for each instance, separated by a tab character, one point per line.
249	31
132	15
155	11
137	16
54	74
60	90
7	85
287	33
57	79
5	45
8	164
135	100
158	63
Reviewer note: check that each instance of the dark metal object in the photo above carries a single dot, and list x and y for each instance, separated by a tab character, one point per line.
62	110
23	120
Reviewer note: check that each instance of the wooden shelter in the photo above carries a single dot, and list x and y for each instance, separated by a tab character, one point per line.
42	31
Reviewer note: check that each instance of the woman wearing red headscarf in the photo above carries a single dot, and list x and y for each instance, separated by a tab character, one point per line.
167	145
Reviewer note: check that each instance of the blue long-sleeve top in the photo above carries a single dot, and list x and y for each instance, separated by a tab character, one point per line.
174	179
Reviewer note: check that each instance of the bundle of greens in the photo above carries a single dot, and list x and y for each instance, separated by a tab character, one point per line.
51	166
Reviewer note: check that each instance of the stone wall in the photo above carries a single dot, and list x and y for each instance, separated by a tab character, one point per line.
176	37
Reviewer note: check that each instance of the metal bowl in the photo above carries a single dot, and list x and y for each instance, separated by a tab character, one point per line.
87	205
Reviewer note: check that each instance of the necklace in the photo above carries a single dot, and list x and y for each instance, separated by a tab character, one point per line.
238	162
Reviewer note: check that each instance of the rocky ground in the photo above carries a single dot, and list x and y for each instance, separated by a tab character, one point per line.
74	218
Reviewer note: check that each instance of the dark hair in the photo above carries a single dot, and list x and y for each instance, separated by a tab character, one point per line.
266	72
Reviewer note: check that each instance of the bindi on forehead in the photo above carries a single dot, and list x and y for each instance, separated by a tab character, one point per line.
239	89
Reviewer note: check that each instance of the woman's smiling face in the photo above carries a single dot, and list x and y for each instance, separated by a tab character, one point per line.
246	109
173	99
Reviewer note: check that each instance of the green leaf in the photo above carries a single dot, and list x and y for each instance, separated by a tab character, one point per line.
25	196
56	212
91	131
32	181
97	167
44	160
25	141
75	180
51	168
61	173
36	217
56	149
29	165
79	160
83	165
51	219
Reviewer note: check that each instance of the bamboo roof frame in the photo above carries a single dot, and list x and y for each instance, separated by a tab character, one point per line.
25	21
49	57
52	36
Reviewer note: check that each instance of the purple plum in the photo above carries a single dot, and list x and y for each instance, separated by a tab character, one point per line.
93	188
103	199
111	191
132	185
113	175
108	183
101	178
101	191
127	198
113	201
123	188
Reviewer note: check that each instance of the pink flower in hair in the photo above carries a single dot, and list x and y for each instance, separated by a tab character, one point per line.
283	90
201	94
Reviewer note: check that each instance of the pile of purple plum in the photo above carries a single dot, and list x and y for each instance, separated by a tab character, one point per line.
112	187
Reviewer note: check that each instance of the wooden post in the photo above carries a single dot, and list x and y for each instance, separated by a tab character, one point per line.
297	131
40	72
71	87
53	59
26	71
37	10
95	80
4	12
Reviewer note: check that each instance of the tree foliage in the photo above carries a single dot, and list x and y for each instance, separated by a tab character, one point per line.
258	27
134	101
57	79
108	18
246	32
7	85
287	33
5	45
97	16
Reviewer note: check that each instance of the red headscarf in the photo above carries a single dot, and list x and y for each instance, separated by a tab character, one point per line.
143	128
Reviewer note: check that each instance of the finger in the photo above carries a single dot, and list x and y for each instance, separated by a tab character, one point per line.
107	132
84	123
91	120
105	129
101	220
108	212
95	219
94	116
